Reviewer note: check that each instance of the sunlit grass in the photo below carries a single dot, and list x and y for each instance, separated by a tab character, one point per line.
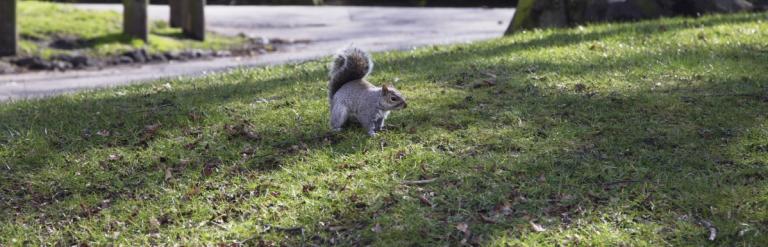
100	31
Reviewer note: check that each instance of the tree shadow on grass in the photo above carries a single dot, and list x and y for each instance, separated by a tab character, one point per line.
551	153
651	156
657	158
74	43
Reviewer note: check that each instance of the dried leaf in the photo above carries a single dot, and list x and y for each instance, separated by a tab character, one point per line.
248	150
579	87
537	227
418	182
376	228
104	133
114	157
149	132
492	75
423	198
485	83
154	223
243	129
504	209
210	166
488	219
463	227
183	163
151	129
194	116
168	174
192	191
307	188
192	145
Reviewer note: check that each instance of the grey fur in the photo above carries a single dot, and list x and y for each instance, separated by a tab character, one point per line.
351	97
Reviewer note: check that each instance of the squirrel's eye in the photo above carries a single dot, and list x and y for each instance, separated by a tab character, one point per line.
393	98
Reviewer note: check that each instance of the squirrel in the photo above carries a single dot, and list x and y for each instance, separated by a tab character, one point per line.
352	97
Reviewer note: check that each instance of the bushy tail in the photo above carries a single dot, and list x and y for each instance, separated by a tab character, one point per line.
348	65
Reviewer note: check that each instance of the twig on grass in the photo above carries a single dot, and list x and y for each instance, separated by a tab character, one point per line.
629	181
418	182
290	230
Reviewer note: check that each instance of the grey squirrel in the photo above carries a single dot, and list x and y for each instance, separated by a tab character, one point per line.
351	97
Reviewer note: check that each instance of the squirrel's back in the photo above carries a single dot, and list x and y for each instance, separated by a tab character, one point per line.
348	65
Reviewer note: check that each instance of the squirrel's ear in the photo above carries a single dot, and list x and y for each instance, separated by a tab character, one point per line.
384	89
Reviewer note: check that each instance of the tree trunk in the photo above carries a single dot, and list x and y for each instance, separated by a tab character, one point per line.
194	19
9	35
539	13
135	22
177	13
563	13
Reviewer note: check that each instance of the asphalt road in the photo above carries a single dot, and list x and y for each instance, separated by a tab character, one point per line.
327	28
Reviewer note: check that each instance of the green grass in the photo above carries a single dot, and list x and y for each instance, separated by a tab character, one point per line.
607	135
101	32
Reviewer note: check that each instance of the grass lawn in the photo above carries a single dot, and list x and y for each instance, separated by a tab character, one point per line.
98	32
645	134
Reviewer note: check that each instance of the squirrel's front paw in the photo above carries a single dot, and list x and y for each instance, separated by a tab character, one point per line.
372	133
337	129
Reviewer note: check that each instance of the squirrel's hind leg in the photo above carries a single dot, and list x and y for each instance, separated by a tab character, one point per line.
339	116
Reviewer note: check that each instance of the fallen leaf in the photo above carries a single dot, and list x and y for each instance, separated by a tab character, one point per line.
114	157
248	150
210	166
492	75
307	188
168	174
376	228
243	129
154	223
488	219
537	227
192	191
151	129
192	145
423	198
104	133
194	116
504	208
462	227
183	163
579	87
485	83
149	132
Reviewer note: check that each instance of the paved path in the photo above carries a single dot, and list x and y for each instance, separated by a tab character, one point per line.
329	28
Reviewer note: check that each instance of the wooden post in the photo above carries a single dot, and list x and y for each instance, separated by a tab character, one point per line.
177	12
135	22
9	35
194	19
